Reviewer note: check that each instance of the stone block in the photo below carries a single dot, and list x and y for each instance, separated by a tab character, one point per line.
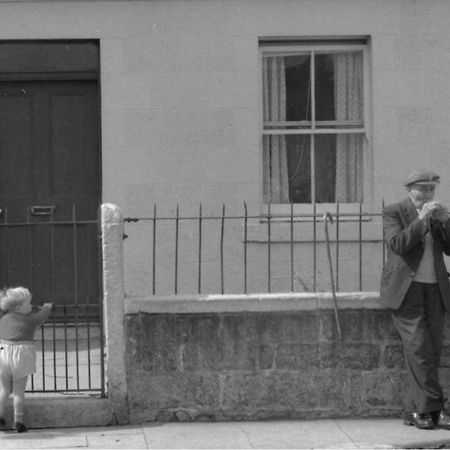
298	327
243	393
375	390
190	358
155	360
356	355
224	342
332	389
266	357
174	391
227	355
328	326
393	356
297	356
267	328
358	325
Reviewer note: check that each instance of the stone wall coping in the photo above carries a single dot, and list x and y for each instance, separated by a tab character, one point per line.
229	303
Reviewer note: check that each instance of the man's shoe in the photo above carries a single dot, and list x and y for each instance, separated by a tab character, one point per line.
424	421
19	427
442	419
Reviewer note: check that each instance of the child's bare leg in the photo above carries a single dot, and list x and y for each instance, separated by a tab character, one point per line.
19	386
5	390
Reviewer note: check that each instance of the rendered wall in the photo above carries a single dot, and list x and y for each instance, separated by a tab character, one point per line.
180	82
181	96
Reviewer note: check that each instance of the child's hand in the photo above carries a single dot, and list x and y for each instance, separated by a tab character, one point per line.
47	305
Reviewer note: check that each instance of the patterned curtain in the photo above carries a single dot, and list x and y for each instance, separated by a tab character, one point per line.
348	93
275	176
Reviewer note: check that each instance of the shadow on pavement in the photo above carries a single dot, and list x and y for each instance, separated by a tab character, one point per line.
441	443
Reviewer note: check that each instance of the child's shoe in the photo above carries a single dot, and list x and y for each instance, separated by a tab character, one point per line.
19	427
3	425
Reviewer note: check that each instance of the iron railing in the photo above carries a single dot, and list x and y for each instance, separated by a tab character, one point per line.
175	254
58	260
70	356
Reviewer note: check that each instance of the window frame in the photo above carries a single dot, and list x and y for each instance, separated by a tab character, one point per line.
295	46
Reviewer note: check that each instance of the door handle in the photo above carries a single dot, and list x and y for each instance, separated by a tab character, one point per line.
46	210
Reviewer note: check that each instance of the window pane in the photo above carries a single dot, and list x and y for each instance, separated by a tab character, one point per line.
299	168
339	89
337	167
287	169
349	168
275	170
324	89
325	168
298	88
286	91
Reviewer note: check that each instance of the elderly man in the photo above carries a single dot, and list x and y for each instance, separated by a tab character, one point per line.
416	288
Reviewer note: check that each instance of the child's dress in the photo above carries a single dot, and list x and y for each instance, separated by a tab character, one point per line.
17	350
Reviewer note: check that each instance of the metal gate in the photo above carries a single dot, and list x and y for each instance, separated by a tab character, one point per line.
70	345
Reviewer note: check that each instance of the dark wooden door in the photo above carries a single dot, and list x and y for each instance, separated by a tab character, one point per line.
49	189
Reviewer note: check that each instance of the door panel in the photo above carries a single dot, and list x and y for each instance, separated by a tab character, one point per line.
49	182
15	148
75	129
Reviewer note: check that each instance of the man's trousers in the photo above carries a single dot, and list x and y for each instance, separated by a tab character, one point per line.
420	323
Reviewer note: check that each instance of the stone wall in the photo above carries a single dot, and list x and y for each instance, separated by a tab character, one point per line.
249	365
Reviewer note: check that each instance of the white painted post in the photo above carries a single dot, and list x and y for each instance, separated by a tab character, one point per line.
113	307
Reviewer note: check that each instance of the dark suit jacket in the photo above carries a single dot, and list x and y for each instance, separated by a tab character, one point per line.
404	234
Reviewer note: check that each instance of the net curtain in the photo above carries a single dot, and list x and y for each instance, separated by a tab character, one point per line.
348	93
276	184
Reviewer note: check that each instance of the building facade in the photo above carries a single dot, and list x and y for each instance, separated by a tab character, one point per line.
297	106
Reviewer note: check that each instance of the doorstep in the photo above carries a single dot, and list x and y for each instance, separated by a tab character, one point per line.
62	411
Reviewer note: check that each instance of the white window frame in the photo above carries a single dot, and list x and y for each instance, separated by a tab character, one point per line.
268	47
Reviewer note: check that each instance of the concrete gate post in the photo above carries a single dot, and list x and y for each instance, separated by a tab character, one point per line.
113	307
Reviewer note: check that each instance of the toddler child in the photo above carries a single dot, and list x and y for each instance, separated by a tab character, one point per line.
17	351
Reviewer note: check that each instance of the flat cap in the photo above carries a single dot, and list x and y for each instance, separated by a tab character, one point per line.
422	176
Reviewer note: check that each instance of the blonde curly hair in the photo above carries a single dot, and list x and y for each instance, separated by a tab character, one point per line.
11	298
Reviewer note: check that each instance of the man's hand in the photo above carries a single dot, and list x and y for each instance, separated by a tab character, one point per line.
429	209
441	214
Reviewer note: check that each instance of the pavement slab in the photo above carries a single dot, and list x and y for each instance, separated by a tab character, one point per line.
248	435
372	433
124	437
225	435
391	433
301	434
38	440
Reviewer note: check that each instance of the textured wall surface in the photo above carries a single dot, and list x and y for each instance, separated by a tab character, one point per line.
264	365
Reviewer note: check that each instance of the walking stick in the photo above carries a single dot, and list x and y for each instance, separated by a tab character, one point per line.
327	217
